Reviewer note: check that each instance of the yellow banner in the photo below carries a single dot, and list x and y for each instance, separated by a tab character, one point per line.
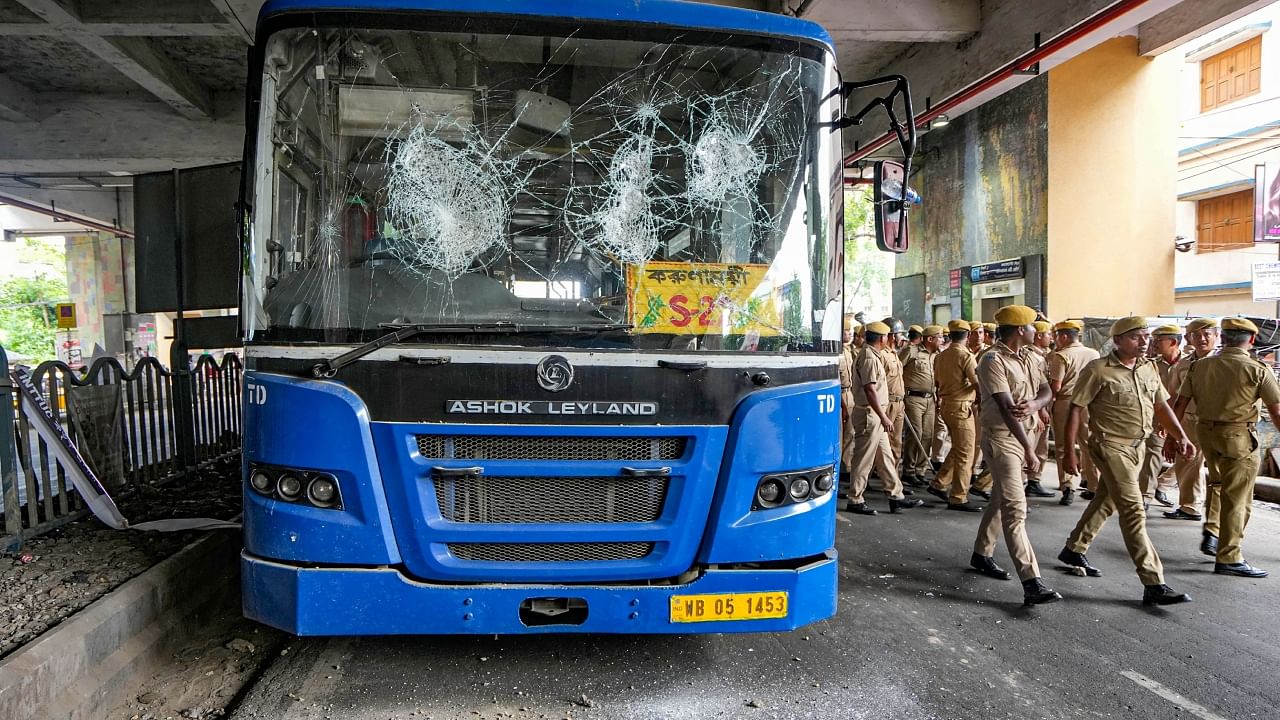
701	299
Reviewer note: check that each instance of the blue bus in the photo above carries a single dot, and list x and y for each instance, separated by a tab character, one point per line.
542	312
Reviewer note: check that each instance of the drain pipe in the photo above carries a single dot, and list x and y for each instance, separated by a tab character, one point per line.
1018	66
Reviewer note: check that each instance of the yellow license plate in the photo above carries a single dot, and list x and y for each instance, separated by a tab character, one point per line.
728	606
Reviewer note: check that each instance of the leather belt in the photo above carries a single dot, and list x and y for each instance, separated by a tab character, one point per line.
919	393
895	398
1225	423
1131	442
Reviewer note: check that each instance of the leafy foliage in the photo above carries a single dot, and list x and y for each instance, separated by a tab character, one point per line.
867	271
28	319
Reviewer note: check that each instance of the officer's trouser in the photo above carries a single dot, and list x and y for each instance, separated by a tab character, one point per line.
1152	461
941	438
1231	452
957	469
897	413
1040	440
1189	472
1088	473
921	415
1119	462
871	448
1008	507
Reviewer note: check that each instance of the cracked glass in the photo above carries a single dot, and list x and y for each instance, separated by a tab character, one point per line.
530	183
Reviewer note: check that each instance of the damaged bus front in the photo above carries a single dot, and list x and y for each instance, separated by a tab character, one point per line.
542	312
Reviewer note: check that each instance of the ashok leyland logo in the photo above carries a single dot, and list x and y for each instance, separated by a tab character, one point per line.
555	373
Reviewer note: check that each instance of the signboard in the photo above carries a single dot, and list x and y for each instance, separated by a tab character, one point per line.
1266	204
1266	281
1001	270
702	299
66	316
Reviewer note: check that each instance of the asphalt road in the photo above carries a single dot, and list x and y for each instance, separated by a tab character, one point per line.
917	636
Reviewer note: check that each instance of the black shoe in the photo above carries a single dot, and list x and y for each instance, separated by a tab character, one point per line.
963	507
1163	498
1086	494
1068	497
1209	544
1240	569
859	509
937	465
1180	514
942	494
987	566
981	493
1075	559
1034	592
1035	490
904	504
908	492
1163	595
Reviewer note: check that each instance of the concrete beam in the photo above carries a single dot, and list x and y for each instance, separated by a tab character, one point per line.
125	29
17	103
135	58
244	30
905	21
1188	20
106	133
108	206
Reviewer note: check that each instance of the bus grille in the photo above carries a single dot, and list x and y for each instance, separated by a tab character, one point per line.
550	447
550	552
491	499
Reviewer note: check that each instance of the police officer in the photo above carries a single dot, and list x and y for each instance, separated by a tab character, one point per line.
871	426
1203	335
1125	399
1065	364
1225	389
917	377
955	375
1037	353
897	391
1010	398
1166	350
846	403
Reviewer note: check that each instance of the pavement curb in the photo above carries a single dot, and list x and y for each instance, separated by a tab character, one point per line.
93	660
1267	488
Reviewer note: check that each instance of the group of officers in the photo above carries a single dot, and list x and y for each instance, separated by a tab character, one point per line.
1126	427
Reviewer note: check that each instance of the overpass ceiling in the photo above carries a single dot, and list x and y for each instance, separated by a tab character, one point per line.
91	87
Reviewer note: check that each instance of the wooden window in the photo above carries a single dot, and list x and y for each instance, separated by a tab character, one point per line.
1225	222
1231	74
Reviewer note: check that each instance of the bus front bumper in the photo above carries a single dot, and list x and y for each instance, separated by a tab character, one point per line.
383	601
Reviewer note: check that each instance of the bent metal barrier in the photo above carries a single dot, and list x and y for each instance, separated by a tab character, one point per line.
124	423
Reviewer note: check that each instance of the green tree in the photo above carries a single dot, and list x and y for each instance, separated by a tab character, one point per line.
28	320
867	272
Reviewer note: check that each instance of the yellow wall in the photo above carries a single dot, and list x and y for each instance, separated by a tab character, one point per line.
1112	171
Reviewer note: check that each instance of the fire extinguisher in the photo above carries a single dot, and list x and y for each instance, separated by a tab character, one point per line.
358	226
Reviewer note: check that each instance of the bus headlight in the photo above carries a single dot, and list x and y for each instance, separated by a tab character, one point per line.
823	483
322	491
771	492
800	488
793	487
289	486
260	481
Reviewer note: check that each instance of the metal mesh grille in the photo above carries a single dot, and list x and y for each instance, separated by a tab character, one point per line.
550	447
550	552
488	499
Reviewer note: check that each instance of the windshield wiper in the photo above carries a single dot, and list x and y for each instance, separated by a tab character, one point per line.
401	332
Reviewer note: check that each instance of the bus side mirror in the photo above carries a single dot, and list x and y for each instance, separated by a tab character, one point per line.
891	206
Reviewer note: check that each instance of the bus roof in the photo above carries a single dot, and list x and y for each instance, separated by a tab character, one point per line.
659	12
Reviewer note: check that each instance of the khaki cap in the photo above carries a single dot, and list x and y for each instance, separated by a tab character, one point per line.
1041	326
931	330
989	327
1239	323
1069	325
958	326
1015	315
915	329
878	328
1128	324
1204	323
1167	330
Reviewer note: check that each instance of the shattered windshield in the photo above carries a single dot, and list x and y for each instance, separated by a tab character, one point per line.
676	191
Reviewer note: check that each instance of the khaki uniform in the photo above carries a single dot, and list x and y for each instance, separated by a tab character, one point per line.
846	407
1004	371
1151	478
917	378
1121	403
1226	389
896	409
1190	471
1064	367
955	374
983	482
870	441
1040	365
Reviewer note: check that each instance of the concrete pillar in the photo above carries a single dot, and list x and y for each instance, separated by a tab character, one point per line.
1112	165
96	282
